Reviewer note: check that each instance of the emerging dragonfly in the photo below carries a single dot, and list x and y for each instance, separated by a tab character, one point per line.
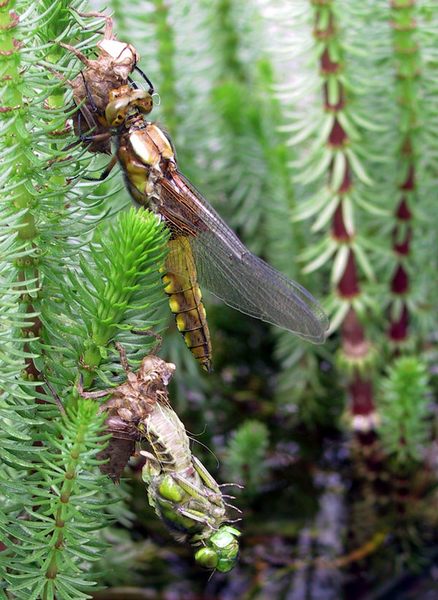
202	247
180	489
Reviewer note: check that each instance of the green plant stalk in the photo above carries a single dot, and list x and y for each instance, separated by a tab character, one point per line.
21	201
232	65
245	459
45	475
283	236
90	423
407	60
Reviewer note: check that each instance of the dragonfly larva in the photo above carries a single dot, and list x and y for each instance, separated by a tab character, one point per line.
180	489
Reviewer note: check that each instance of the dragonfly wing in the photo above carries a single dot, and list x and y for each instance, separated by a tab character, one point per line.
231	272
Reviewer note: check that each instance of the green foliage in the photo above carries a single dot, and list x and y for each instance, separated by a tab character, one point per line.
404	409
67	292
245	458
115	292
60	529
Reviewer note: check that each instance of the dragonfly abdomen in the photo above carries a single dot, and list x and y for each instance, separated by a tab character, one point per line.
190	316
168	439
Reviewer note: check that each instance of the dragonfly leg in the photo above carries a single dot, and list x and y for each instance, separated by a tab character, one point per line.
237	485
205	475
157	336
56	397
91	395
149	456
191	489
84	113
77	53
233	507
132	83
196	516
90	98
111	164
123	357
108	33
146	78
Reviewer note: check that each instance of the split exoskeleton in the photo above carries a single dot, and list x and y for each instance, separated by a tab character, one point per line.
91	88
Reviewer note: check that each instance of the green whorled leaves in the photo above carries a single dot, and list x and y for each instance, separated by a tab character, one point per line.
36	217
57	534
116	289
246	455
404	408
54	531
61	302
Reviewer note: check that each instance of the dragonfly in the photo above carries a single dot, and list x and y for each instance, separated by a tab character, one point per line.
183	493
113	66
202	248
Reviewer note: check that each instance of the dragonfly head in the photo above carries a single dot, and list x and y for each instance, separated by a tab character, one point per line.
124	101
220	551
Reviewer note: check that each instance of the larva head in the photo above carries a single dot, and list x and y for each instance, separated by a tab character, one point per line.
122	57
154	370
220	551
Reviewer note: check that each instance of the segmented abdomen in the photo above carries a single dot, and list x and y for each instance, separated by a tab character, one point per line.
168	439
185	300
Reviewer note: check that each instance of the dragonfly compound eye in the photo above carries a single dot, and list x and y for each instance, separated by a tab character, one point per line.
145	105
221	550
207	558
170	490
116	111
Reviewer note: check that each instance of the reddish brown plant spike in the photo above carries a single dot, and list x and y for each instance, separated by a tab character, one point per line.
402	248
400	281
398	331
320	2
338	226
327	64
15	19
337	136
362	392
348	286
347	183
407	27
403	213
352	330
409	183
17	45
5	109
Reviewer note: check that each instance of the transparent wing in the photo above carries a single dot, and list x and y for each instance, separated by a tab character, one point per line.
230	271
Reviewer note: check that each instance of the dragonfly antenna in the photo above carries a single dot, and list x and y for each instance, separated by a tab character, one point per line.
207	448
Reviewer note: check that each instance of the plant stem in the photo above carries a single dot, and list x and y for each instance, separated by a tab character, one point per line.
407	61
355	347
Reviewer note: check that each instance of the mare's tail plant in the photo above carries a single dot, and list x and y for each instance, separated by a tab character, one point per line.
68	291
